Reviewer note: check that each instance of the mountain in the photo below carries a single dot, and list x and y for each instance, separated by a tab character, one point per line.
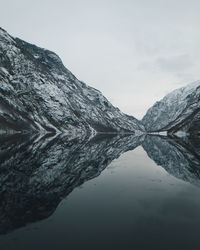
177	111
37	93
37	173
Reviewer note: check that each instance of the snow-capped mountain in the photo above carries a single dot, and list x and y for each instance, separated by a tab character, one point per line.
177	111
38	93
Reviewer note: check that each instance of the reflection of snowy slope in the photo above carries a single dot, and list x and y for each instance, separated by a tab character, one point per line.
175	111
38	93
177	157
37	173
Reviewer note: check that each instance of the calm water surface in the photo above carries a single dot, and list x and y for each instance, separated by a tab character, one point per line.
117	193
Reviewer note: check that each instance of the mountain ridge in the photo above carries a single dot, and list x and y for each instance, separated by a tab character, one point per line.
176	111
39	94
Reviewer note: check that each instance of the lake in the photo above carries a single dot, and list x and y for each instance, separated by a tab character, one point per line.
110	192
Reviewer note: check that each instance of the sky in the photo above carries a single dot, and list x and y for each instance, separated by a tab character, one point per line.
133	51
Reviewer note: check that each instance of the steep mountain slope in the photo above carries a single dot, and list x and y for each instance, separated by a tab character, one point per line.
38	93
176	111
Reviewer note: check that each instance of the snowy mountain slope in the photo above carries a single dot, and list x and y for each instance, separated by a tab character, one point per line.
37	173
176	111
38	93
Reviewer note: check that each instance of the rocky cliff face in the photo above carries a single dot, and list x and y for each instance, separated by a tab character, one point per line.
38	93
177	111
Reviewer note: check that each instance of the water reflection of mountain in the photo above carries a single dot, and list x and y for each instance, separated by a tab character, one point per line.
37	173
179	157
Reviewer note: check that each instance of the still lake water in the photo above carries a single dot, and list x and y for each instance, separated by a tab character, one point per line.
108	193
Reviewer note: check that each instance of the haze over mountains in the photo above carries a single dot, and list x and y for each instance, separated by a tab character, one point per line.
37	93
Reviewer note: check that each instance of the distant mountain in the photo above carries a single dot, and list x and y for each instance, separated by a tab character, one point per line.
37	93
177	111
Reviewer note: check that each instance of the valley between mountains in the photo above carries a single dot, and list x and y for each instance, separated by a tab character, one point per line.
39	95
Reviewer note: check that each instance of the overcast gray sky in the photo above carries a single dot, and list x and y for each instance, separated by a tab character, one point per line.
133	51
